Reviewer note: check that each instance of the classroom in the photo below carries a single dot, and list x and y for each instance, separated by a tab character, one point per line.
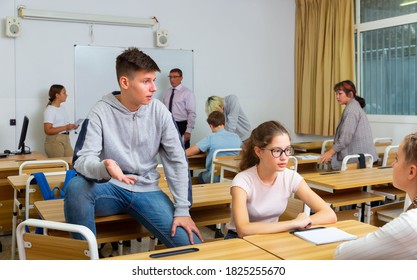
241	47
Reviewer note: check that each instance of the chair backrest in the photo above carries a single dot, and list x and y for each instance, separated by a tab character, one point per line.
295	206
369	161
327	145
33	246
292	163
382	141
33	166
217	153
389	155
35	190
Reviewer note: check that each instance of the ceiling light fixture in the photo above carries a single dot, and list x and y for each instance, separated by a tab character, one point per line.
85	18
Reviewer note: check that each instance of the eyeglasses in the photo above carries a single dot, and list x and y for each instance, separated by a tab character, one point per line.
174	77
277	152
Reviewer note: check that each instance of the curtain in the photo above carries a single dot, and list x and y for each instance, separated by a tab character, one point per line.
324	56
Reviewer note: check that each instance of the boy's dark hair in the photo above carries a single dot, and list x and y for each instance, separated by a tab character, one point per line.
132	60
216	119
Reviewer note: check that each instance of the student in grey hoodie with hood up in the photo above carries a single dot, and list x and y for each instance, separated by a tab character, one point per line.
116	158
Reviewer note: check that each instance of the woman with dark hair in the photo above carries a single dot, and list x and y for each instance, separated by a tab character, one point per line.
262	188
56	125
353	133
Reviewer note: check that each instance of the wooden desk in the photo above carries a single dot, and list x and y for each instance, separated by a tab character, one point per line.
351	179
204	197
197	162
10	166
290	247
311	147
304	164
232	249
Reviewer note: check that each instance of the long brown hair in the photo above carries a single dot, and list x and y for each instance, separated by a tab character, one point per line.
260	137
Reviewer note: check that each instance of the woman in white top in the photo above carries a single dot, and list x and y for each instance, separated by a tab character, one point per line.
56	125
260	192
396	240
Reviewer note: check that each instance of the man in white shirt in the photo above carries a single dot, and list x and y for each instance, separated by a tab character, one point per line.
180	101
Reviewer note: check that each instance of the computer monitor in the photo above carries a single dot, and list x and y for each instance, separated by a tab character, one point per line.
21	149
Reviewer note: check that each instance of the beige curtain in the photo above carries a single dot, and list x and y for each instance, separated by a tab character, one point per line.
324	55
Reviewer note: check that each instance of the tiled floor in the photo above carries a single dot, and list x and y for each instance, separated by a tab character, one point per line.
107	249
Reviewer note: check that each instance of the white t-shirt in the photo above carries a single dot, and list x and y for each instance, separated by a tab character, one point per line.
57	116
266	203
396	240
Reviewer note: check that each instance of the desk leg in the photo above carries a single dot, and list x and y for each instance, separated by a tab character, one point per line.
14	225
367	212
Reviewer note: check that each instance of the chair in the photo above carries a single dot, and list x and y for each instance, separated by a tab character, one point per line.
47	247
380	145
52	167
369	161
325	146
33	166
389	155
292	163
389	191
229	152
294	207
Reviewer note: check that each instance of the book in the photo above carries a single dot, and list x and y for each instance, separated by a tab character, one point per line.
324	235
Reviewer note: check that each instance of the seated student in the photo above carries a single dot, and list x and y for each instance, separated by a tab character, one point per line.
397	239
261	190
219	139
236	120
116	159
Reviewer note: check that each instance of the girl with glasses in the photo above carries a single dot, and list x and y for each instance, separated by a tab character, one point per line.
260	191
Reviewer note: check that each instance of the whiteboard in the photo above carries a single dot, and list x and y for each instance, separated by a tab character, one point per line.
95	73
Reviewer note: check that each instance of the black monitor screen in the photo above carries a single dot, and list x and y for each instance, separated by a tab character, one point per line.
22	148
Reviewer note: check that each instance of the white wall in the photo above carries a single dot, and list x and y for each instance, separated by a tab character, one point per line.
241	47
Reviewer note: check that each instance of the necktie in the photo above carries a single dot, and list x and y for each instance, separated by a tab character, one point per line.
170	100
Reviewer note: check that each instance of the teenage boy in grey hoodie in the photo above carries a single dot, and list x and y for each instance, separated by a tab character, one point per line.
116	158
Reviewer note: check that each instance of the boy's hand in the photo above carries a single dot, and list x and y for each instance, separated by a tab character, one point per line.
115	172
188	224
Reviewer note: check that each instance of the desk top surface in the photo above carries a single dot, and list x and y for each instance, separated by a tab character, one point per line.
350	178
13	163
18	182
232	249
306	146
203	195
290	247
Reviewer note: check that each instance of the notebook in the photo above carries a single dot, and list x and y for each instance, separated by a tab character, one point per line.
324	235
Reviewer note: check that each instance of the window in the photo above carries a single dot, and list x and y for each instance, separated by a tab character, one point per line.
386	60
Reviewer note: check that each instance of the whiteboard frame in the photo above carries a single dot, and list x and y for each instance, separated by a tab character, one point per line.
95	74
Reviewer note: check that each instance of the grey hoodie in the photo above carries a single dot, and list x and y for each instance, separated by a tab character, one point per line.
133	140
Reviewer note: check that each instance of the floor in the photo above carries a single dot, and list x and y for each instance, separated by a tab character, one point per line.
107	249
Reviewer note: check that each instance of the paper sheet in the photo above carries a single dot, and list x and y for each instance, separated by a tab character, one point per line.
324	235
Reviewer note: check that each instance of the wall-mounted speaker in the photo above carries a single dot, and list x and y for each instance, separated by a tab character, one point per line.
12	27
161	38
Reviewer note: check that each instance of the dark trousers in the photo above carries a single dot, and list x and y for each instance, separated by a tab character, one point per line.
182	127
